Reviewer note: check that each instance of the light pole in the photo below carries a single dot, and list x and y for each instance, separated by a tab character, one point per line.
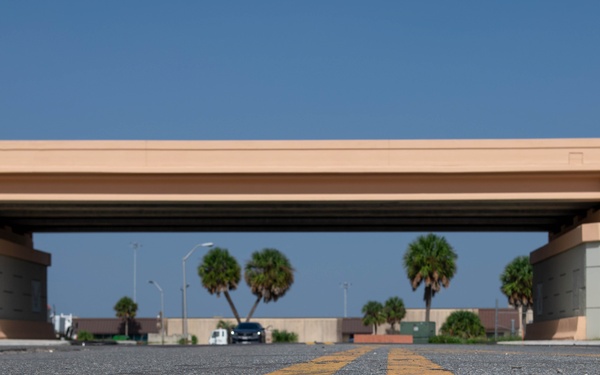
162	311
134	246
185	328
186	286
346	285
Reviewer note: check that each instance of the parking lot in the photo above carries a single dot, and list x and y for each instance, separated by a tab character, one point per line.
301	359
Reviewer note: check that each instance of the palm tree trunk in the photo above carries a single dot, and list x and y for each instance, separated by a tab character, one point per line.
523	321
233	309
253	309
127	327
427	299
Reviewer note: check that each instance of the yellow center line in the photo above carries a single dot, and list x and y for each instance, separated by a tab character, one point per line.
405	362
325	365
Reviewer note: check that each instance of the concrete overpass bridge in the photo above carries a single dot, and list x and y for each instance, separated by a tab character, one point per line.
289	186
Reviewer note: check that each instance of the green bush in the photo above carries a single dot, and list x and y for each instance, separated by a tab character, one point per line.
463	324
120	337
181	341
442	339
84	335
284	336
194	340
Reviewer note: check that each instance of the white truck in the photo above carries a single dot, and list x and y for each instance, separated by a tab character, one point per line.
219	337
63	326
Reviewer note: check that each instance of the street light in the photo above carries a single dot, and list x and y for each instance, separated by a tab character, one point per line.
135	246
185	328
162	312
345	285
186	286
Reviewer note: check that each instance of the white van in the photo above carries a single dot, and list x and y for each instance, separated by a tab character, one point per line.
218	337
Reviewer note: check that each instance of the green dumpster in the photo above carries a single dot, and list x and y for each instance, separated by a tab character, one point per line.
420	331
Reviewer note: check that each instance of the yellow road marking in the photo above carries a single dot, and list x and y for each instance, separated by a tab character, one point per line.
325	365
405	362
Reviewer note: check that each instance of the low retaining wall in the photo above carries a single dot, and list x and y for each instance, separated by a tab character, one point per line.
383	339
560	329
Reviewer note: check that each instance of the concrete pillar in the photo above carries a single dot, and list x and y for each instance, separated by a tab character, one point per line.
23	288
566	279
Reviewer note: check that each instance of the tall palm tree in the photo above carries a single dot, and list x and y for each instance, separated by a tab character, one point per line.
394	311
517	285
220	273
126	309
373	314
430	260
269	274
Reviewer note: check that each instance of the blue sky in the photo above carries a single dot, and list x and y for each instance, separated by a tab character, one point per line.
292	70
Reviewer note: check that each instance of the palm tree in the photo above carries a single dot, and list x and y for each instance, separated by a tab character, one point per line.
126	310
517	285
220	273
430	260
394	311
373	314
269	274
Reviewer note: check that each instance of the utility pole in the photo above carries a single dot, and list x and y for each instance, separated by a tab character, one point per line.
345	285
496	322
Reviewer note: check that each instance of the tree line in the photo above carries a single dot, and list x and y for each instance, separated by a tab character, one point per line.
430	260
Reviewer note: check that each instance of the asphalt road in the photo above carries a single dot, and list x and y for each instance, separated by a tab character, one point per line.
302	359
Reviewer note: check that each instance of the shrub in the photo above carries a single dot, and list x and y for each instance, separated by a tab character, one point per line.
284	336
84	335
441	339
194	340
463	324
229	326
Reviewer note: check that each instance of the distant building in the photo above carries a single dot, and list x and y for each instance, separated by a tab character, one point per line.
106	328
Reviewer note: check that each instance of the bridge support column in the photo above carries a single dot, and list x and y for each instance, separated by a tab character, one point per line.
23	288
566	283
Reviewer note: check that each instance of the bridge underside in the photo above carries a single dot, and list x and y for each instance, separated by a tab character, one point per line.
550	186
376	216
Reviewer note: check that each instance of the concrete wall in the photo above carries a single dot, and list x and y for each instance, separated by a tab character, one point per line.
566	273
559	285
23	285
438	316
308	329
592	297
23	288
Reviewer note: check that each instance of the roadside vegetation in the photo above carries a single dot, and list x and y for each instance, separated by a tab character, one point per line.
461	327
463	324
126	309
430	260
517	286
284	336
183	341
84	335
375	313
268	273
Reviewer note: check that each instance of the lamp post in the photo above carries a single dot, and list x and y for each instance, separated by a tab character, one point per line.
186	286
345	285
162	311
185	328
135	246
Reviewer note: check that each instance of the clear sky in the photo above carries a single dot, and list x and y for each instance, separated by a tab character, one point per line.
199	70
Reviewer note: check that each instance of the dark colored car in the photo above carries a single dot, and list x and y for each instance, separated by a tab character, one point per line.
247	333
